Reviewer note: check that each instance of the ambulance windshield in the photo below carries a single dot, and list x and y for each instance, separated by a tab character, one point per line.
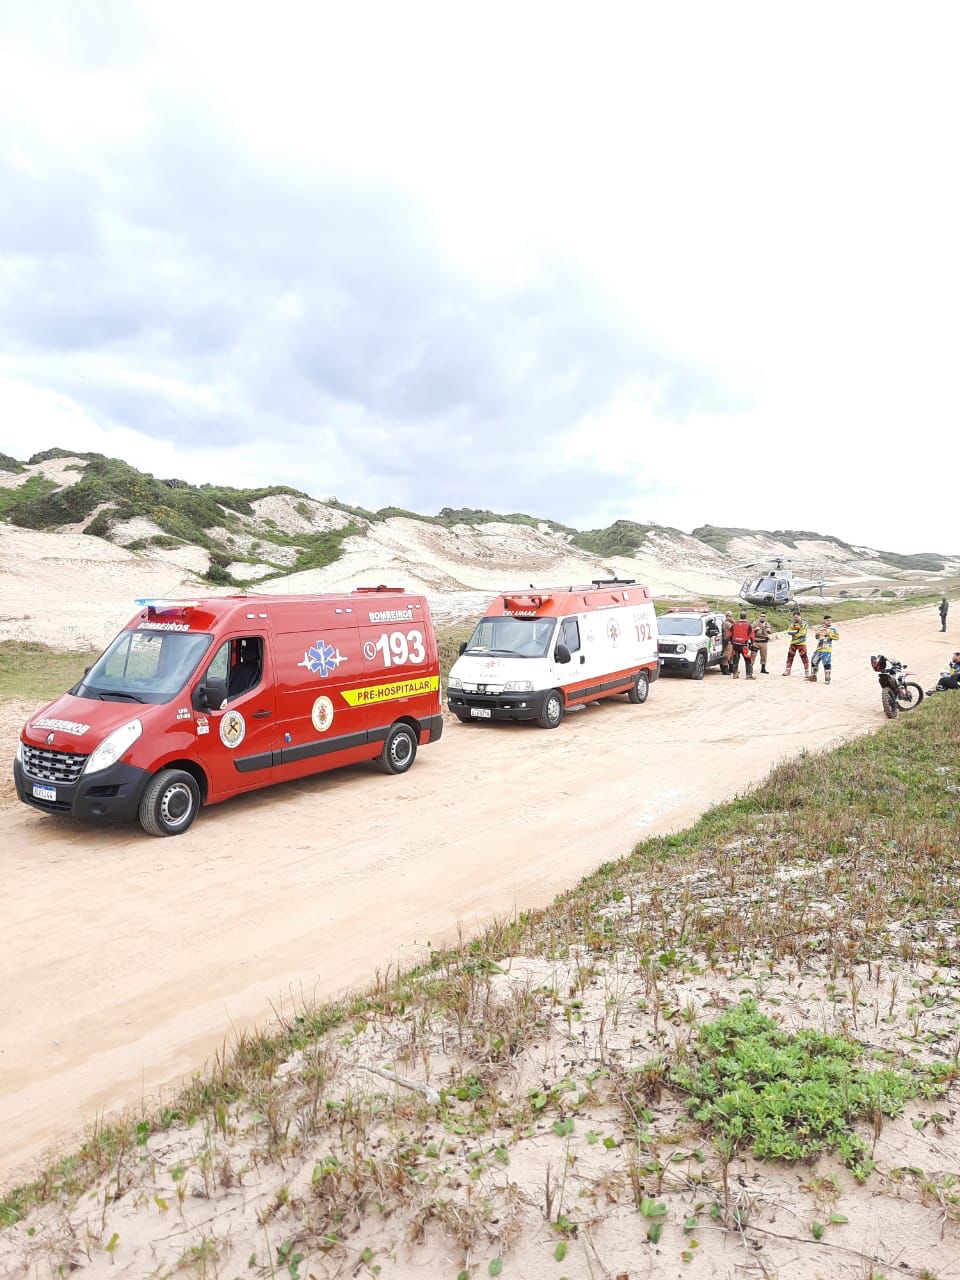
144	666
673	626
513	637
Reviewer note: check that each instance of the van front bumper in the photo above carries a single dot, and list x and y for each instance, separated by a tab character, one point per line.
496	706
112	793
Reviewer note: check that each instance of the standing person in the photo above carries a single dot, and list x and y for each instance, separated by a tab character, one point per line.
943	610
826	633
741	637
761	634
726	653
797	631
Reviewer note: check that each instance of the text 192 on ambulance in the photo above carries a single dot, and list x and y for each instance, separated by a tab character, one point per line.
535	653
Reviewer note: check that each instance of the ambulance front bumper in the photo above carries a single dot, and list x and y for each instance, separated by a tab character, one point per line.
112	793
496	706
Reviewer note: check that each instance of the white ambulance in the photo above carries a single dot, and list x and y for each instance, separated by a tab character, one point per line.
535	653
690	640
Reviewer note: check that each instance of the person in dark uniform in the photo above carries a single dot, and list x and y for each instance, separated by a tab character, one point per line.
943	611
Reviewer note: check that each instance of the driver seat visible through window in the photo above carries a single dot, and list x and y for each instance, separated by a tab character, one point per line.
246	666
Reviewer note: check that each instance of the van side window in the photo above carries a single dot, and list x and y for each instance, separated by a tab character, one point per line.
240	663
570	634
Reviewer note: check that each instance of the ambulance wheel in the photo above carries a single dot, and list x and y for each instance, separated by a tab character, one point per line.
699	668
639	691
551	713
170	803
399	750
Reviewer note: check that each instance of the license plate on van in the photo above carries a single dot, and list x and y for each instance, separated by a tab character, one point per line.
44	793
481	713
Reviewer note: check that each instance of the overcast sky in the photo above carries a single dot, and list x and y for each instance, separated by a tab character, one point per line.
675	263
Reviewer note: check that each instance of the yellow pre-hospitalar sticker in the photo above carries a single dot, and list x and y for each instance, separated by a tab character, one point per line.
389	692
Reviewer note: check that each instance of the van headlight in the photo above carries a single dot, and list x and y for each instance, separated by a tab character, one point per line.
518	686
113	747
454	682
681	648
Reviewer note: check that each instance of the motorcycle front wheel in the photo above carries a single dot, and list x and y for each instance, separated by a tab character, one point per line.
889	703
909	696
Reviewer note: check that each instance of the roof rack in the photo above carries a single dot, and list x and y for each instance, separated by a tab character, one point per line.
614	582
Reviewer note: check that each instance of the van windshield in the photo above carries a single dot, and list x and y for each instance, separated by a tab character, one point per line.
144	666
679	626
513	637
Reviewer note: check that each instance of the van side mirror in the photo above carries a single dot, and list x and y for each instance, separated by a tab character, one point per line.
561	654
463	649
210	695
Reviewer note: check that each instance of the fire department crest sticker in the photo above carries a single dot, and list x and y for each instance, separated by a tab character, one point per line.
233	728
322	715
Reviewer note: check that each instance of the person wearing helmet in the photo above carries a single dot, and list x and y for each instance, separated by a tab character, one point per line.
826	633
797	631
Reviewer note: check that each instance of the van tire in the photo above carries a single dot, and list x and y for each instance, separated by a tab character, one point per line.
551	713
399	750
169	804
699	668
640	689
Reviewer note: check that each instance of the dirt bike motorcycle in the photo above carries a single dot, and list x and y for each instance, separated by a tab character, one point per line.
899	690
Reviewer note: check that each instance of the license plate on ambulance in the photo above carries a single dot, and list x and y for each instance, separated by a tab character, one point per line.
44	793
481	713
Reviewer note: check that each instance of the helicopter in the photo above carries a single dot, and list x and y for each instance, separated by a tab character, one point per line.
776	585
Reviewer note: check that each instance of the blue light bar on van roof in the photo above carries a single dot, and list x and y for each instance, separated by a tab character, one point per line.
163	606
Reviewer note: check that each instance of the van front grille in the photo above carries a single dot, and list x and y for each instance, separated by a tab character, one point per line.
52	766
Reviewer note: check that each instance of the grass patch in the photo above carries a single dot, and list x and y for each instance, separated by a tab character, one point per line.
33	490
34	671
10	464
787	1097
812	608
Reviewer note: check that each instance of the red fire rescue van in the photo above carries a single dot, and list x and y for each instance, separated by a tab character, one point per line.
537	652
199	700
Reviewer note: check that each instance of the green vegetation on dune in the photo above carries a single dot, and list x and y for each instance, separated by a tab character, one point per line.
622	538
10	464
180	510
720	536
34	489
924	561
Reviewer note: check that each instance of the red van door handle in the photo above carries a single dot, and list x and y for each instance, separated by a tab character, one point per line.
261	715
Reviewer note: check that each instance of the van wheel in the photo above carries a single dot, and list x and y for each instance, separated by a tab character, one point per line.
638	692
551	713
399	750
170	803
699	668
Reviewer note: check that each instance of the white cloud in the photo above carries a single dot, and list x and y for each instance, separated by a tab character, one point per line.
767	197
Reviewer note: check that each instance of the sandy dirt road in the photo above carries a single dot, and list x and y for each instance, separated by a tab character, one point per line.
126	961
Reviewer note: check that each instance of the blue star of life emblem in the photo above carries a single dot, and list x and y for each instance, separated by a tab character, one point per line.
322	659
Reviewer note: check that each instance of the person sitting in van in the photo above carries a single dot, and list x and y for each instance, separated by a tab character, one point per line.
741	639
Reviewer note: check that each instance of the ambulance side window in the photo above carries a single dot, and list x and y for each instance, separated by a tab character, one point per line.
239	663
570	634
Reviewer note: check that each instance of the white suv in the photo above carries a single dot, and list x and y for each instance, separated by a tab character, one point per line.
690	641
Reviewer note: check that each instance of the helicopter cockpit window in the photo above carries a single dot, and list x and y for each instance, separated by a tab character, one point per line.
782	584
767	584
